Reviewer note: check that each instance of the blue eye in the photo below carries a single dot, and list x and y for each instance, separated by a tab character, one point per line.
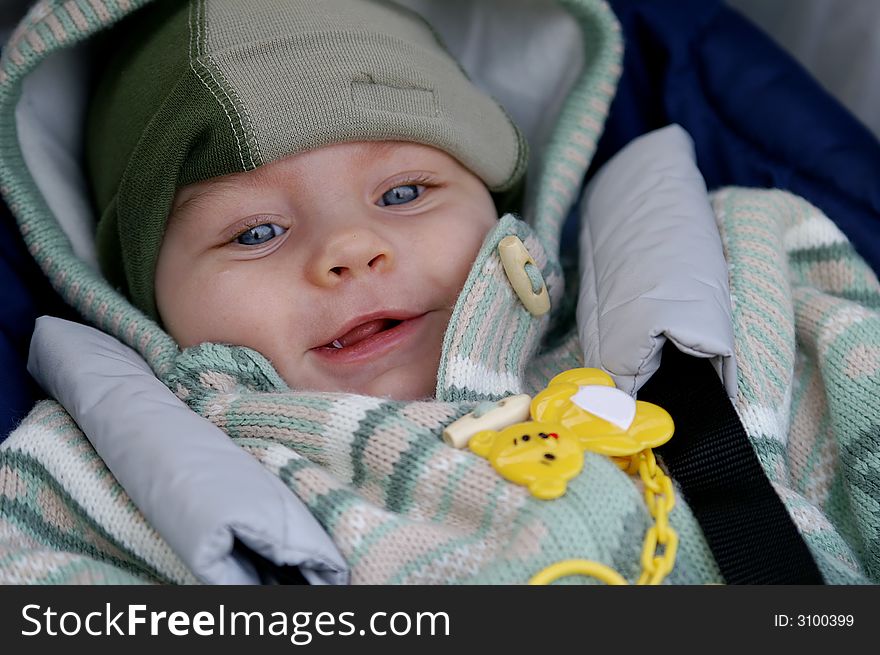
260	234
400	195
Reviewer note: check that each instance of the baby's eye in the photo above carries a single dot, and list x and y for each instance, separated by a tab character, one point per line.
260	234
400	195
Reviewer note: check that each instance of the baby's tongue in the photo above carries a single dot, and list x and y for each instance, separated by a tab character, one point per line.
364	331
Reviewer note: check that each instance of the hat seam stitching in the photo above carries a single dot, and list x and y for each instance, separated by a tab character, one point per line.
246	122
195	46
255	153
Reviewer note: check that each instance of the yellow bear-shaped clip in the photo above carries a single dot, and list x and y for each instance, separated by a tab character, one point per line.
542	456
605	419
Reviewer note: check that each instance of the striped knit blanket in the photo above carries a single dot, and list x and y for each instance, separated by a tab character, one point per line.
405	508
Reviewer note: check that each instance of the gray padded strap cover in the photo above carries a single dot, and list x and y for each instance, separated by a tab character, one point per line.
652	264
213	503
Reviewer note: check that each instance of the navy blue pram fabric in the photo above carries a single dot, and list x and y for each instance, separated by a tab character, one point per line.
756	117
24	294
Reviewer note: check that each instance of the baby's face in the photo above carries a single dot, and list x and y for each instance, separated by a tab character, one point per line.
340	265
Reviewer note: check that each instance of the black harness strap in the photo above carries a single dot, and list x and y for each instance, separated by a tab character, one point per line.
745	523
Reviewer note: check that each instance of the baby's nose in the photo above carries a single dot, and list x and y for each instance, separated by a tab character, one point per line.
349	254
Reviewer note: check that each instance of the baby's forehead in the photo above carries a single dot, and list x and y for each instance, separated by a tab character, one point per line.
360	155
195	195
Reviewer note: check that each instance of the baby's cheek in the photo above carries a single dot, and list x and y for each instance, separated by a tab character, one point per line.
211	306
466	252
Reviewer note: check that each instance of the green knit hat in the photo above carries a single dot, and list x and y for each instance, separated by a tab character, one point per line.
201	88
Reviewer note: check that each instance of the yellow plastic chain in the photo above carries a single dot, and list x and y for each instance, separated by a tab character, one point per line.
661	541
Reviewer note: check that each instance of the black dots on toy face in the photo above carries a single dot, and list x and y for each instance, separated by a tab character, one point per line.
525	438
549	456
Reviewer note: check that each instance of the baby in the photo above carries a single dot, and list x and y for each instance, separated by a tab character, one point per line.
314	185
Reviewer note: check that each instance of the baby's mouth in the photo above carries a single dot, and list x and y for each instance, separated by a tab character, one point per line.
361	332
371	337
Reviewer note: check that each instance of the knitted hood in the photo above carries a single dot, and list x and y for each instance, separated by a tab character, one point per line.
564	81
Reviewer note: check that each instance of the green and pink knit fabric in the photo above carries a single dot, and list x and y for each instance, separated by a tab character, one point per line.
806	312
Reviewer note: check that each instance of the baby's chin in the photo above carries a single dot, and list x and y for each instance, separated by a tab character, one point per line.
396	389
414	382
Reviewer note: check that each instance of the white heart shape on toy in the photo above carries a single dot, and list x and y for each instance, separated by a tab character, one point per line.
608	403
